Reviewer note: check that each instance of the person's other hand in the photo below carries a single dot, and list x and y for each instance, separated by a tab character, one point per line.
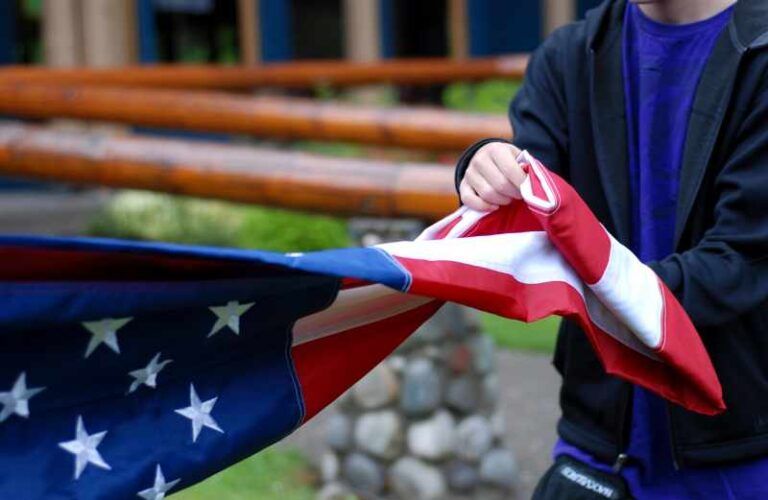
493	177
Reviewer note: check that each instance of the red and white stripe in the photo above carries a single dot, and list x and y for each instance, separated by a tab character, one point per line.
545	254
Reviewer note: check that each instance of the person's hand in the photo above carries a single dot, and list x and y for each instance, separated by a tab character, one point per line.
493	177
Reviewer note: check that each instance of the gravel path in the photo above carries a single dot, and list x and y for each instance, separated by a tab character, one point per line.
528	398
48	212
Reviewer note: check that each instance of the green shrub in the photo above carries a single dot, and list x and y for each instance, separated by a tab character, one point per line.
285	231
142	215
492	96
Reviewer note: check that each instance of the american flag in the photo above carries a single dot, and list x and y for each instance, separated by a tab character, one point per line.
137	369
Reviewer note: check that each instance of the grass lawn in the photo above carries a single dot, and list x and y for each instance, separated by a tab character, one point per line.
273	474
508	334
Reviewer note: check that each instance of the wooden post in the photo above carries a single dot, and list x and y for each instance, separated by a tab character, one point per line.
362	35
62	33
362	40
108	33
557	13
108	39
458	31
249	32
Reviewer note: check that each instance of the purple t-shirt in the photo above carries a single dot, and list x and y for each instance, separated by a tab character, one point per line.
662	66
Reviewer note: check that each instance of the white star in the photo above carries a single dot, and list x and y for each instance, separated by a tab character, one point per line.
148	374
160	488
104	332
199	413
16	401
229	315
83	447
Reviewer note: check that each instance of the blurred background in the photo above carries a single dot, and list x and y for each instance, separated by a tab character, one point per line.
296	125
115	32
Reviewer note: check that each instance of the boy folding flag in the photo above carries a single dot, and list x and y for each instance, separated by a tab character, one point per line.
139	369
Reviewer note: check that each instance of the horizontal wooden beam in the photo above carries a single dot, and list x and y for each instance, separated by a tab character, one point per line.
227	172
273	117
294	74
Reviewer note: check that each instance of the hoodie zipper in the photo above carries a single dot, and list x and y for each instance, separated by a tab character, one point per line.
621	456
623	430
672	447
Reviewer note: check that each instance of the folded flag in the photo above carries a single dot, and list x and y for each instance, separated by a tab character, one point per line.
138	369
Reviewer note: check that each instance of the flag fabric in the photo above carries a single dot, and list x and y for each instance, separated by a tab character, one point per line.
137	369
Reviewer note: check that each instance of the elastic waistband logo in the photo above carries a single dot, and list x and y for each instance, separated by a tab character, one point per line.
587	482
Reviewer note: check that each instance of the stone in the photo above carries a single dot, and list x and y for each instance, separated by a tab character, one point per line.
428	333
380	434
345	401
491	389
363	473
460	359
371	239
453	320
396	363
483	353
422	387
433	438
431	332
471	319
338	432
329	467
434	353
474	437
376	389
499	468
463	394
498	424
413	479
335	491
461	476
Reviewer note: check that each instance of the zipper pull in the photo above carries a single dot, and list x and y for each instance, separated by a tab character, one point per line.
620	461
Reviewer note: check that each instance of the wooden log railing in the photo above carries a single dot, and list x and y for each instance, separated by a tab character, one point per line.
283	75
237	173
272	117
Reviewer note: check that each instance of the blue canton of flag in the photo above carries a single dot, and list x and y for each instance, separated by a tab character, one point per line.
198	377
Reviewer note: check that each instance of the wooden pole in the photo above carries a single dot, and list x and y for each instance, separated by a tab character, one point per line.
458	35
283	118
248	31
362	43
361	30
107	33
62	33
425	71
558	13
237	173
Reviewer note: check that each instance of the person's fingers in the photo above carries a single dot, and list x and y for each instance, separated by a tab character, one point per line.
472	200
492	173
484	189
505	158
